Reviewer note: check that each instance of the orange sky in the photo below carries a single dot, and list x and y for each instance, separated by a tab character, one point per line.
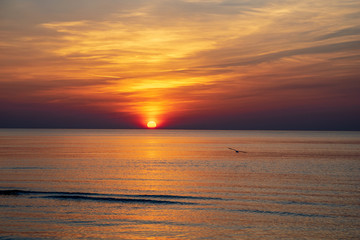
185	64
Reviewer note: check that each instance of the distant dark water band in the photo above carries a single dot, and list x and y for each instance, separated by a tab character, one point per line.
144	198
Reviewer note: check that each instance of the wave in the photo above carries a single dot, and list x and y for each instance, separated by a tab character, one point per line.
122	198
174	197
13	192
296	214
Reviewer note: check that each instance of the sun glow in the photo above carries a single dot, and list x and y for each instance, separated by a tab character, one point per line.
151	124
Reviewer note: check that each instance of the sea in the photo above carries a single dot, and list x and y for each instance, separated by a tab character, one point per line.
179	184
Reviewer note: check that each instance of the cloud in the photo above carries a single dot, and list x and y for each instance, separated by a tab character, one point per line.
169	59
352	31
321	49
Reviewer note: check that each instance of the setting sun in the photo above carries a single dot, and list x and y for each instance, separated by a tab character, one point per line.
151	124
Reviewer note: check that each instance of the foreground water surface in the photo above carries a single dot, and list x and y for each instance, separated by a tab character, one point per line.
179	184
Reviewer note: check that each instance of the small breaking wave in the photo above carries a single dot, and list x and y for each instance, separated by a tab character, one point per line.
173	197
112	199
280	213
120	198
13	192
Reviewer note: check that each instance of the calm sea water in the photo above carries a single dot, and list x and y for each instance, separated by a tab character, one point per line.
179	184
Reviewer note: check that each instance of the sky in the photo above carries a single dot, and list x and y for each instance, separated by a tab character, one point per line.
185	64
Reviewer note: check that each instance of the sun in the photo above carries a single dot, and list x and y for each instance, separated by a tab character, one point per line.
151	124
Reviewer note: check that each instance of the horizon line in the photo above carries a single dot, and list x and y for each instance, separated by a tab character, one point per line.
190	129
